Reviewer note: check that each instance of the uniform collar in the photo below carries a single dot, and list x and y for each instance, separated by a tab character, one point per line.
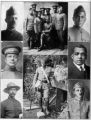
7	68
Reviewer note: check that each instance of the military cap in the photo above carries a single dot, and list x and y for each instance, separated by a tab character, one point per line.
34	5
11	49
11	11
11	85
55	6
78	85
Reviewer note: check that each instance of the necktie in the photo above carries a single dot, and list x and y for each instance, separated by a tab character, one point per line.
81	68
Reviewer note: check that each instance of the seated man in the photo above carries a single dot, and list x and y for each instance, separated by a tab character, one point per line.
45	36
10	34
77	69
77	107
11	108
77	33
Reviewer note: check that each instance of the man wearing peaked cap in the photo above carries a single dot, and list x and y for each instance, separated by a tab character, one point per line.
10	71
10	34
11	108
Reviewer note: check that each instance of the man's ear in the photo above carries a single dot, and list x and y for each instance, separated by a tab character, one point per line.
6	20
72	56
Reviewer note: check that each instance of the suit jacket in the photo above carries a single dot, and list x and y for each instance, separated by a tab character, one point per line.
11	35
75	73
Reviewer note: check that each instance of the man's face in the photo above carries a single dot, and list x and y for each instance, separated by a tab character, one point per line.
39	14
79	56
80	19
12	21
55	10
34	8
78	92
60	10
11	60
12	92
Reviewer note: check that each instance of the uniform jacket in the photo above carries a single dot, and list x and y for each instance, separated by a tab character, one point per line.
78	35
8	73
11	35
75	73
76	110
10	108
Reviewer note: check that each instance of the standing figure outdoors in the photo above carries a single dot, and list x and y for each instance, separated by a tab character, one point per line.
30	29
77	33
77	107
11	108
34	8
10	34
77	69
38	23
42	83
10	71
61	25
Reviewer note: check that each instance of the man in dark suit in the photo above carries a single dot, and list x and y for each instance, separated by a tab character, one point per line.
78	69
11	34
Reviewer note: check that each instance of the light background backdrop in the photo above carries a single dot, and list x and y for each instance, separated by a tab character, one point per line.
71	6
19	94
19	6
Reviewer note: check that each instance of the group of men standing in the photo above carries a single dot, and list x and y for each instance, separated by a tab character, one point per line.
46	30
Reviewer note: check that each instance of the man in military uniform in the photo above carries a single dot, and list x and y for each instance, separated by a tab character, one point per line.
10	71
10	34
61	25
42	77
77	107
77	33
54	35
11	108
43	14
30	29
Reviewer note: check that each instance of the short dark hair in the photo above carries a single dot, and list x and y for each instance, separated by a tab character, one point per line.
81	46
78	10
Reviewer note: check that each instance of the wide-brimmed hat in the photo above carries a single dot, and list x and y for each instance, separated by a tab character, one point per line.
11	85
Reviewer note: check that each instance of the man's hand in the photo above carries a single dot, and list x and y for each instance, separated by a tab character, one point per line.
21	116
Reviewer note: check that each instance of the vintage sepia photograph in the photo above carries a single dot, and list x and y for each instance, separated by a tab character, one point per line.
12	17
11	98
78	104
45	27
79	22
45	85
12	60
79	60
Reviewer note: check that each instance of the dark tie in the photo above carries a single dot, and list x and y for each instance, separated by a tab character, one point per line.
81	68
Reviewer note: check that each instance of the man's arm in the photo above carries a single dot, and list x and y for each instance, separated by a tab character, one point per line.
65	22
35	26
35	78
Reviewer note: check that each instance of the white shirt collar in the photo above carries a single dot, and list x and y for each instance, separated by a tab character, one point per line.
78	66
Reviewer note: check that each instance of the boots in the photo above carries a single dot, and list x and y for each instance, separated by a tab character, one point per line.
45	106
40	104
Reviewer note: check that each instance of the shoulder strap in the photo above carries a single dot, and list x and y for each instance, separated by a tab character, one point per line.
45	74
